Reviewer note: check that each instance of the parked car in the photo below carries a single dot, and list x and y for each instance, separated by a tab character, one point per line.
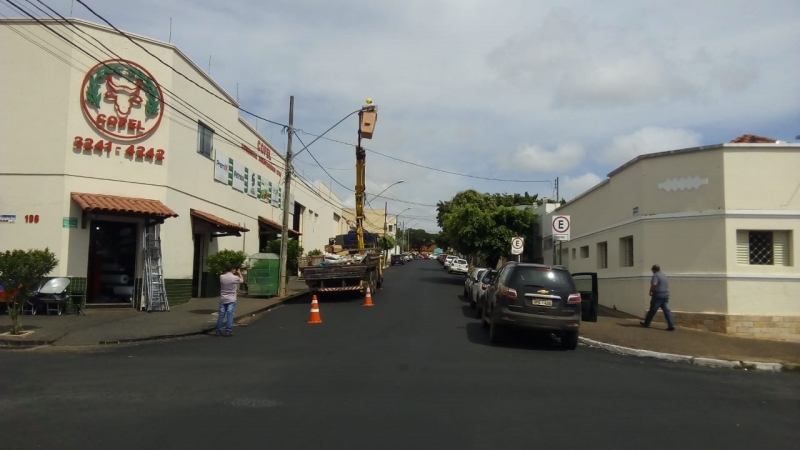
539	297
474	278
441	258
479	291
459	266
398	259
449	260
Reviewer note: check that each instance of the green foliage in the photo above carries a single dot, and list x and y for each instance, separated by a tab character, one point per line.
387	242
293	251
482	224
315	252
23	270
218	260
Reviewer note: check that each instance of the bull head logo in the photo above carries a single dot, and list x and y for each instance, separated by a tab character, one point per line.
113	91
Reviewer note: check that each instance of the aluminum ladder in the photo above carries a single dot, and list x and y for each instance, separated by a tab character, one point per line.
153	273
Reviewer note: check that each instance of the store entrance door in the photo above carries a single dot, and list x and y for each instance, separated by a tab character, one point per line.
197	266
112	262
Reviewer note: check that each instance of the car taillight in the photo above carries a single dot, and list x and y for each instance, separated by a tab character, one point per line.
574	298
508	292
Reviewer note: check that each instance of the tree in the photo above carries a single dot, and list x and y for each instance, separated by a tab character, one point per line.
21	272
418	238
481	224
387	242
217	261
293	251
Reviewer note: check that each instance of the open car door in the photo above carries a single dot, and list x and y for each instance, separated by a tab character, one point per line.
586	282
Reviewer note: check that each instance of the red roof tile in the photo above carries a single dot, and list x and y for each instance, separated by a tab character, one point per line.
276	225
117	204
753	139
218	221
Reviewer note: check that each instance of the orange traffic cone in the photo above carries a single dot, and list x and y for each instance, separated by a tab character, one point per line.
314	317
368	299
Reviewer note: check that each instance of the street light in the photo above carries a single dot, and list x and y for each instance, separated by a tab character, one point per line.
387	188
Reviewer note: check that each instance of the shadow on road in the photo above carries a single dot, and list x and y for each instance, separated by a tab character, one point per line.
518	339
468	312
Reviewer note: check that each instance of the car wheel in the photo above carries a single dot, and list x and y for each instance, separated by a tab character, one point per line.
570	340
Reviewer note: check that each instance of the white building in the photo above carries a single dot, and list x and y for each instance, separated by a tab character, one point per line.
95	149
722	222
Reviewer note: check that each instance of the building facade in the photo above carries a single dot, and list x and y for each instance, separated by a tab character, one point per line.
722	221
135	137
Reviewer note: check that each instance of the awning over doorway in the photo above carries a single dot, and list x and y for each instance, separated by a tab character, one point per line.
131	206
223	227
277	226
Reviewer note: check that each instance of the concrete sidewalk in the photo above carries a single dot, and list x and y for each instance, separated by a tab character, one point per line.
111	326
613	327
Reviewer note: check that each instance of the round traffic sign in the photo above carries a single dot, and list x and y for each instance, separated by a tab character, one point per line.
560	224
517	243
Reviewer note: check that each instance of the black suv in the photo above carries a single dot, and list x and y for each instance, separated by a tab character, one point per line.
398	259
539	297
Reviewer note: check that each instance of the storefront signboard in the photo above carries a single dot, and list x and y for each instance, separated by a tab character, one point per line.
69	222
223	168
8	218
239	177
253	186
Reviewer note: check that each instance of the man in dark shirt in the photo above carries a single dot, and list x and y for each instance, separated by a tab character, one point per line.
659	298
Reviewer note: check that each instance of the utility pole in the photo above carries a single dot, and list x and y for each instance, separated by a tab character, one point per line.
558	198
385	218
283	279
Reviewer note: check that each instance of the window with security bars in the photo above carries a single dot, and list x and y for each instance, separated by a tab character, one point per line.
205	139
602	255
626	251
763	248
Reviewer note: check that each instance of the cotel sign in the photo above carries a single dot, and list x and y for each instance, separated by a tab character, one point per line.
122	99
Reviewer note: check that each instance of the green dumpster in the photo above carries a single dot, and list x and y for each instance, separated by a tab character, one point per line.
262	276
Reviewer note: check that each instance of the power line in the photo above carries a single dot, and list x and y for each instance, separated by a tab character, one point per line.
478	177
350	189
109	53
176	70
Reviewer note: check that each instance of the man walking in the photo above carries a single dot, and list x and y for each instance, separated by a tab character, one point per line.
659	298
228	285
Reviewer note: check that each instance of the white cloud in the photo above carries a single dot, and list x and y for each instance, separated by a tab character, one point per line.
539	159
572	186
648	140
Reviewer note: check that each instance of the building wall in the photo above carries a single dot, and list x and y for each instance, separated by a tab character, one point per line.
44	166
683	210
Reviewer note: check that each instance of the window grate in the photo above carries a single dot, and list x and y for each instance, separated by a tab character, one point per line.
626	251
760	248
602	255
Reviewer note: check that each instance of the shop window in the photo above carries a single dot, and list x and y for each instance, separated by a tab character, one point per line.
763	248
205	140
626	251
602	255
584	252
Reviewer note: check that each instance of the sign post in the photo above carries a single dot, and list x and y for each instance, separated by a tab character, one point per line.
517	245
561	233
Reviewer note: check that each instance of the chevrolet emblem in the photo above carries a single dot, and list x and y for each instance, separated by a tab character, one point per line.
542	291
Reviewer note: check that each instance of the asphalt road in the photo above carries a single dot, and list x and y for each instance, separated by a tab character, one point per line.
413	372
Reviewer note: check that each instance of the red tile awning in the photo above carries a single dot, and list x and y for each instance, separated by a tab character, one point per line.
122	205
753	139
221	224
277	226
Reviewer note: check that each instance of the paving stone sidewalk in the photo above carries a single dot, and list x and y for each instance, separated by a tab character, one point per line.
621	329
108	326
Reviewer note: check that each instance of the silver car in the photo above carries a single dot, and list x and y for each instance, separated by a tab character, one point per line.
472	285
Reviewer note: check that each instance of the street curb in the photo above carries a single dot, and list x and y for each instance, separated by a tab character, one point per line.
694	360
9	343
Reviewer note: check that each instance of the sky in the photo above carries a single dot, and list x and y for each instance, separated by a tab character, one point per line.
504	89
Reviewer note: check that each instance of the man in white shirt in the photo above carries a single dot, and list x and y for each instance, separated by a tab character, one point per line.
228	285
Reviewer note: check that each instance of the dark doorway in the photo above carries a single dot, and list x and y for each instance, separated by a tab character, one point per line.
197	266
112	262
